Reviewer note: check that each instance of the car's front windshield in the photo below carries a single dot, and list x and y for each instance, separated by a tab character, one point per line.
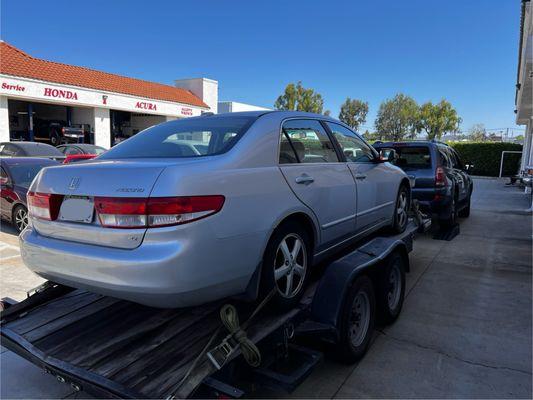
192	137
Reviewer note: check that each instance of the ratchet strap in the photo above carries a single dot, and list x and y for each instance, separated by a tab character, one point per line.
219	355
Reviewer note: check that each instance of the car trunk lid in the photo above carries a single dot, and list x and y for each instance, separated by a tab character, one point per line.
76	187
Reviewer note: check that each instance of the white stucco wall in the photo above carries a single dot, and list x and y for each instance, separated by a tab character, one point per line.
233	106
204	88
102	127
4	120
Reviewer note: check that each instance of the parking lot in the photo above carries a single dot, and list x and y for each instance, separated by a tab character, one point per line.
465	330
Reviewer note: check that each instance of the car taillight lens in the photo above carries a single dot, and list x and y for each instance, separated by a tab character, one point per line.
120	212
44	205
440	177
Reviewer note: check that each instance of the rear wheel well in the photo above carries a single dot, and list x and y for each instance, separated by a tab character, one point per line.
405	182
305	221
375	272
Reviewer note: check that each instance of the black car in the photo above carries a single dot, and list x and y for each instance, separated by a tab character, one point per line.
442	184
29	149
16	175
80	148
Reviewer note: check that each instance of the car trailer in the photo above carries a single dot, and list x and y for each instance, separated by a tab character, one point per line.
118	349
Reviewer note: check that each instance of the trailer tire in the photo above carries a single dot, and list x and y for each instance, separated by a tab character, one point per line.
357	321
391	289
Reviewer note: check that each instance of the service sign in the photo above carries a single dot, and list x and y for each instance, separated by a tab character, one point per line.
69	95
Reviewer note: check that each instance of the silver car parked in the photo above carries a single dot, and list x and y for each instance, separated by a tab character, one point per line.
268	195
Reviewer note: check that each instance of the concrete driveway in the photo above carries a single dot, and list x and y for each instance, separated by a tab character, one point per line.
465	330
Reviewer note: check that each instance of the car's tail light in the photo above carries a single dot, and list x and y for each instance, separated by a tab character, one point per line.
63	130
44	205
117	212
440	177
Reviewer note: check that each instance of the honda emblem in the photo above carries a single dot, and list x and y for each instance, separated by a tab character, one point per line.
74	183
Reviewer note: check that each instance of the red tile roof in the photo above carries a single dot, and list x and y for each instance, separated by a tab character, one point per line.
17	63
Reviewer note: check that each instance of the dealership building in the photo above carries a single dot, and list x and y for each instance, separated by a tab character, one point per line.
35	92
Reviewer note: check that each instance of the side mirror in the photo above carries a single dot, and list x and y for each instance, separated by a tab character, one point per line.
387	155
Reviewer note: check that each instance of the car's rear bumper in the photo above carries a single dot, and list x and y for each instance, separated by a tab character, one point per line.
176	273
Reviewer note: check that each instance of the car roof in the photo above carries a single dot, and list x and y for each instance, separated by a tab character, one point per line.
281	113
408	143
28	144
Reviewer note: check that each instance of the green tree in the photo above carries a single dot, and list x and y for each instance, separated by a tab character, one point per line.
437	119
477	133
298	98
397	118
353	112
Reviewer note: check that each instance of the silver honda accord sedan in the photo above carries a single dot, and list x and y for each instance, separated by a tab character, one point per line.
199	209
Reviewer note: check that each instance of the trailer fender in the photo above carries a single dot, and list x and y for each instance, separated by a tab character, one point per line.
339	276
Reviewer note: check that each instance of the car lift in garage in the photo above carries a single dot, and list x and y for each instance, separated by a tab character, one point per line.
114	348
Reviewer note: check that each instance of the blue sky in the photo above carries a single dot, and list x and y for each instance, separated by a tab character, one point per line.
464	51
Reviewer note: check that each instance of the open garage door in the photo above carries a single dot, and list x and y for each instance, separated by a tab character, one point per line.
50	123
125	124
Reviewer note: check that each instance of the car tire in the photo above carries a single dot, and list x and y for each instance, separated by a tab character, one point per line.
357	321
465	211
55	138
452	219
20	218
401	210
390	292
286	265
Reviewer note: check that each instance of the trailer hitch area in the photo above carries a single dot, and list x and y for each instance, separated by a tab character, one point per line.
422	220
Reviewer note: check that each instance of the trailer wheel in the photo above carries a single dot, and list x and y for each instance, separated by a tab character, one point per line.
357	321
391	289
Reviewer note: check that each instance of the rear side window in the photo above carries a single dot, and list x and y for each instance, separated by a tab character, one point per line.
445	158
454	158
413	157
70	150
305	141
354	149
191	137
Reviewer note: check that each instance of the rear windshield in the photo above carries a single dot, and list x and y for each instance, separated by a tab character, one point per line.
413	157
191	137
42	150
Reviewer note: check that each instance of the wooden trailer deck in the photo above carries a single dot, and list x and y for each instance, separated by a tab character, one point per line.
115	348
136	350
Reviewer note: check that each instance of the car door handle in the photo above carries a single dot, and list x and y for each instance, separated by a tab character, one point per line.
304	178
360	176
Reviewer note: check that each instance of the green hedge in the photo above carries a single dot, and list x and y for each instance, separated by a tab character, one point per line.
486	157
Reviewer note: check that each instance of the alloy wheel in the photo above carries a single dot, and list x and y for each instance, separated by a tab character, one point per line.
21	219
401	209
290	265
359	319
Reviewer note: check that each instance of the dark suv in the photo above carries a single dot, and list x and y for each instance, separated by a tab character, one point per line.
441	181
